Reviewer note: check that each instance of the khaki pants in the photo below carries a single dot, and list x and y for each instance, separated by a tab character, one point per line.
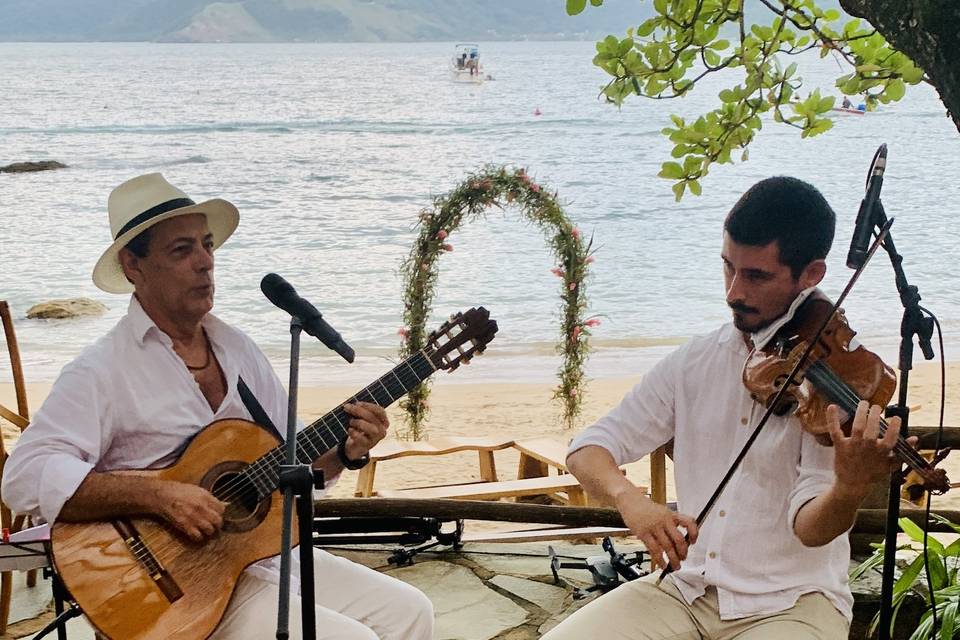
640	610
353	603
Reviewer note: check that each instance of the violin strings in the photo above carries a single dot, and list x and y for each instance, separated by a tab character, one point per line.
848	400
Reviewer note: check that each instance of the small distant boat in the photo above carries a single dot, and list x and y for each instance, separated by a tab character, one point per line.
858	112
465	64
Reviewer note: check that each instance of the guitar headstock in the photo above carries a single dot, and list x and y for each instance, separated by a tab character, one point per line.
457	340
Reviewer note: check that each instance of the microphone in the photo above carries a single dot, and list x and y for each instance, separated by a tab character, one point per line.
281	293
866	221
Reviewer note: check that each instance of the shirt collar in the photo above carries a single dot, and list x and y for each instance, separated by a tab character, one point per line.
141	324
762	337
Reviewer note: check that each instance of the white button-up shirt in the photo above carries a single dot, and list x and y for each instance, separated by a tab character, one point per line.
129	402
747	547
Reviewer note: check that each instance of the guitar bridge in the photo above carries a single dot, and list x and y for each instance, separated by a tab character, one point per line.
138	548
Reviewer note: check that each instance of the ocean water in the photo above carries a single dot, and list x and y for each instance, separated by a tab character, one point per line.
330	151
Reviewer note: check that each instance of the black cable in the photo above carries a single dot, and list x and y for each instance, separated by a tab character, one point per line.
943	401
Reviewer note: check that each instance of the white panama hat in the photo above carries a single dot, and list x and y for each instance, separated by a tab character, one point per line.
140	203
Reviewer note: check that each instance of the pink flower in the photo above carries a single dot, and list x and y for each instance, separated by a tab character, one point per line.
573	393
447	247
534	187
557	271
573	286
589	260
403	332
441	235
592	322
575	334
575	233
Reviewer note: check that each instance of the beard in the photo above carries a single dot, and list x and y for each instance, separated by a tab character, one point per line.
742	318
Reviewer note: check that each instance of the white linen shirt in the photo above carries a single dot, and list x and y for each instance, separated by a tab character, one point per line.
129	402
747	547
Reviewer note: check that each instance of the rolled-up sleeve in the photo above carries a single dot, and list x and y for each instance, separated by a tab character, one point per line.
815	474
644	419
58	449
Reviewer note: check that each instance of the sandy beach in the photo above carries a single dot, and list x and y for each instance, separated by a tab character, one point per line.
514	411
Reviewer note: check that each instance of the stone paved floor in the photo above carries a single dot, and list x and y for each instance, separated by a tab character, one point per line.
482	592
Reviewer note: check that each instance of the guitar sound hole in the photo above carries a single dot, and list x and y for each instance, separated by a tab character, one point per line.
244	510
239	493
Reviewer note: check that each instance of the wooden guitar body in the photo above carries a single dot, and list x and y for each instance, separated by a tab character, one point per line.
140	579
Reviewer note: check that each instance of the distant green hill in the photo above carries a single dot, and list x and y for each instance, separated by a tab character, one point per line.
311	20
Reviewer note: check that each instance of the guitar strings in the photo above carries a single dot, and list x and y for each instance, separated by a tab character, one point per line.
239	487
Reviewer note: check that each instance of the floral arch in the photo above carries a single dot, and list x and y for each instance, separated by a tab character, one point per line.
497	187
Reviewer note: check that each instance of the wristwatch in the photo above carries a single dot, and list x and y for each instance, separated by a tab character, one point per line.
353	465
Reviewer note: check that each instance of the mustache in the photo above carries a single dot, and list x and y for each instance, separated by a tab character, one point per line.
739	307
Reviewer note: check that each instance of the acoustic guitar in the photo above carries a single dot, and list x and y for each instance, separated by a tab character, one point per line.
139	578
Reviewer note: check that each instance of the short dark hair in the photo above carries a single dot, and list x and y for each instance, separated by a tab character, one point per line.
140	243
788	210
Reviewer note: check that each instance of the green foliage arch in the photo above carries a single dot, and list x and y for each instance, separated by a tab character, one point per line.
499	187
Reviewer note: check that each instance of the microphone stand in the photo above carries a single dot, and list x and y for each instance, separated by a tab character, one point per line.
914	323
296	480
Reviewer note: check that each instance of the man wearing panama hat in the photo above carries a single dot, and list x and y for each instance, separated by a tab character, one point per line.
135	398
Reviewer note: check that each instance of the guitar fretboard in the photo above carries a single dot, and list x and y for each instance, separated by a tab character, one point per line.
327	432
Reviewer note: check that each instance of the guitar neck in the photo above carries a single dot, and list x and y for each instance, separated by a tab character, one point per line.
331	429
327	432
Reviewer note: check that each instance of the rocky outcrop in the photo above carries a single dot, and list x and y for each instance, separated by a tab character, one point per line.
27	167
72	308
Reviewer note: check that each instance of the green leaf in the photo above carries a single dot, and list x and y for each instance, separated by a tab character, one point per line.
911	74
647	28
678	190
660	6
596	3
575	6
895	90
909	576
949	621
729	95
695	187
671	171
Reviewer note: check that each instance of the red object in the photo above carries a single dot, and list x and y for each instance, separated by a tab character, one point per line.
6	535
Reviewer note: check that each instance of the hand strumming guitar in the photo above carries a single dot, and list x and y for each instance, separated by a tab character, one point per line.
190	508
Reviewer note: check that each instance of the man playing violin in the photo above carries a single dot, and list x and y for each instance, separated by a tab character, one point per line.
771	559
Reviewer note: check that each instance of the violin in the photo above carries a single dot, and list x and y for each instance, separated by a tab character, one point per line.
836	371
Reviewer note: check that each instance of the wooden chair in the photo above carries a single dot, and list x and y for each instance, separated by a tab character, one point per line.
19	418
390	449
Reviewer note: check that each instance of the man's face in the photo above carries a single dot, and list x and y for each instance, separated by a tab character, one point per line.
759	287
175	278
